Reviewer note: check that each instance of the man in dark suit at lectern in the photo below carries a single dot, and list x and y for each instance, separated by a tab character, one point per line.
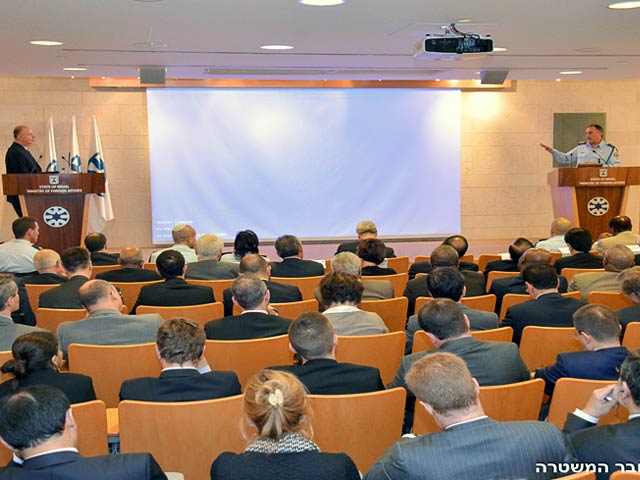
19	160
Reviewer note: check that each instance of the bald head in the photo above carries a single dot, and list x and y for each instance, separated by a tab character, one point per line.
131	257
47	261
254	264
99	295
444	256
184	235
534	256
618	258
560	226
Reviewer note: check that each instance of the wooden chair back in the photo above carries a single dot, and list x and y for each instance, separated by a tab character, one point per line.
130	291
399	282
363	426
307	285
97	269
421	302
506	403
50	318
613	300
422	258
569	273
485	258
495	274
486	303
292	310
34	291
198	313
218	286
421	340
539	346
620	475
248	357
110	365
5	356
149	266
183	437
384	352
399	264
511	299
393	311
631	338
572	393
555	256
583	476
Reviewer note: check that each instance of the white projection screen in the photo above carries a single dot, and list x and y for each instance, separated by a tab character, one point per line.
306	162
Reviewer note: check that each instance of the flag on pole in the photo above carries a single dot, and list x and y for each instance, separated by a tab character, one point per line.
100	210
50	155
74	151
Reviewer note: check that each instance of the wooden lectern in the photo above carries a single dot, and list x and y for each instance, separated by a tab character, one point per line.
59	202
591	196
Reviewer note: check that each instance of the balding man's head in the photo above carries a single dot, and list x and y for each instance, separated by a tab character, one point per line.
131	257
444	256
47	261
254	264
620	223
184	235
618	258
560	226
99	295
534	256
518	247
458	242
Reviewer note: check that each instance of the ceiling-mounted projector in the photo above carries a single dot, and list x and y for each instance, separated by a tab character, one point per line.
453	42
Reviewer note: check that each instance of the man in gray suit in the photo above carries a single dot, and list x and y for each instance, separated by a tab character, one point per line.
9	303
614	261
105	325
471	445
209	266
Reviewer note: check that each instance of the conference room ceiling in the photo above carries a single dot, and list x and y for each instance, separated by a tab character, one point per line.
359	40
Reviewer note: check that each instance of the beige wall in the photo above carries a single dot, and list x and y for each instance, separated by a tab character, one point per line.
504	191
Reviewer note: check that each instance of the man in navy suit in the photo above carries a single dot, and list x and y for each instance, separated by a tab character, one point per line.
598	330
185	376
77	266
289	249
19	159
579	241
131	260
37	423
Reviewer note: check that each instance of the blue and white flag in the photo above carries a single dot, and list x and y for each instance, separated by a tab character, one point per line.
100	210
50	155
74	151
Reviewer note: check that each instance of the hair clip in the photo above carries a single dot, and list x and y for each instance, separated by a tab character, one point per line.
276	399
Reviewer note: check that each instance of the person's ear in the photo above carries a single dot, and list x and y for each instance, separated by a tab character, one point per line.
427	407
69	420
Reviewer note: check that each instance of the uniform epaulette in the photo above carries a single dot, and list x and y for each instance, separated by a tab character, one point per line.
611	145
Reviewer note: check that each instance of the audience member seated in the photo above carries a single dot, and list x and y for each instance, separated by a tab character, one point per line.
245	243
446	389
37	423
184	241
447	282
616	259
49	270
131	260
516	284
365	230
36	361
559	227
313	339
342	293
516	249
9	303
547	307
77	267
209	266
371	252
613	445
185	376
256	265
289	249
579	242
629	281
251	294
277	410
620	234
96	243
105	325
492	363
598	331
16	256
460	245
174	291
443	256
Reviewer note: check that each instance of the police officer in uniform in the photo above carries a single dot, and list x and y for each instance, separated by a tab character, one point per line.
595	151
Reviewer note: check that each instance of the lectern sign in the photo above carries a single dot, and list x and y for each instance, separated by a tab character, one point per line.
56	216
598	206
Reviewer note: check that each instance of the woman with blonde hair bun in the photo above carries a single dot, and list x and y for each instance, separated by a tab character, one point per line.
277	409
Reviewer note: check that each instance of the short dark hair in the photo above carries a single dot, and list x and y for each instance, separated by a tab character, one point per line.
338	287
245	242
458	242
442	318
311	335
445	282
95	241
170	264
248	290
630	373
31	352
180	340
32	416
444	256
518	247
75	258
541	275
599	321
288	246
22	225
579	239
597	127
620	223
371	250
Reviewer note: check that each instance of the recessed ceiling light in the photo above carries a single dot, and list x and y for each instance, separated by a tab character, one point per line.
74	69
464	20
276	47
624	5
45	43
571	72
499	49
321	3
558	79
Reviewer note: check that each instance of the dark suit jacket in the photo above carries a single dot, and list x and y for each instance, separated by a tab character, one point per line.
24	315
44	279
425	267
212	270
280	293
375	270
104	258
77	387
64	296
474	281
610	444
597	365
579	260
19	160
128	275
174	292
501	266
627	315
247	326
461	452
549	310
181	385
296	267
353	248
501	286
73	466
324	376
